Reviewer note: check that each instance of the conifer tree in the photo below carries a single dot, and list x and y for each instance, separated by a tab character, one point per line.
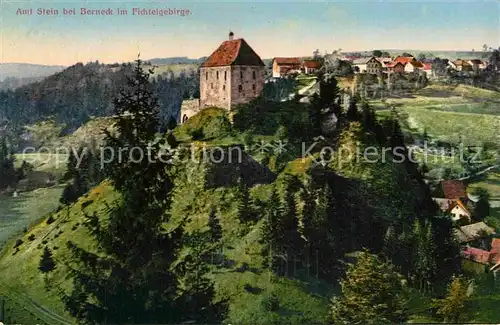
272	230
47	263
245	211
372	293
352	111
7	171
454	307
138	275
215	227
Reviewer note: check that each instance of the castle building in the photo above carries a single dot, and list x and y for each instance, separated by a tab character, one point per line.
233	74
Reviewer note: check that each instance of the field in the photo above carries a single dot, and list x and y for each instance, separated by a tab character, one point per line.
449	113
452	114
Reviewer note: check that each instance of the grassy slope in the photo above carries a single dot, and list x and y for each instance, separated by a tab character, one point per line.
19	270
300	301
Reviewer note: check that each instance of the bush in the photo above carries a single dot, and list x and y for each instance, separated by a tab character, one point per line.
271	303
86	203
196	134
18	243
31	237
50	219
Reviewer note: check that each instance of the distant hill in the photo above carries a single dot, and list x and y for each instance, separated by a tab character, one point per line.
14	83
453	55
27	70
176	60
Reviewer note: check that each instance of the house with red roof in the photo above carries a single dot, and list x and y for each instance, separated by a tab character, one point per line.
310	66
396	67
456	208
233	74
427	68
413	66
284	66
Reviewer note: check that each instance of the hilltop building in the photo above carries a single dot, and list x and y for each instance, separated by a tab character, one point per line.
233	74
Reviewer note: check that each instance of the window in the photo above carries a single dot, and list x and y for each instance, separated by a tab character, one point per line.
206	75
241	74
253	75
225	75
212	85
223	87
184	118
253	87
217	75
240	88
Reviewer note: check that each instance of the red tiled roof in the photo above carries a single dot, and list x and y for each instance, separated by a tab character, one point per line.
286	61
312	64
495	244
453	189
478	255
427	66
233	52
416	64
393	64
403	59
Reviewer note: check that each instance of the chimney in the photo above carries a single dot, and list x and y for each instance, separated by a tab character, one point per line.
231	35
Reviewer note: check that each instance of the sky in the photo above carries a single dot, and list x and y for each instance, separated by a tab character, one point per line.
278	28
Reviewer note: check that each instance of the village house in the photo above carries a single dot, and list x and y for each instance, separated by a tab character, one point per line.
233	74
476	64
461	65
456	208
472	234
427	68
284	66
481	260
310	66
368	65
385	62
396	67
413	66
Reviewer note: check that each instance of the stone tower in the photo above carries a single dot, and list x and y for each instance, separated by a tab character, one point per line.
233	74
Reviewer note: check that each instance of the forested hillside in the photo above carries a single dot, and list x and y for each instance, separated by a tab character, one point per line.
81	91
197	236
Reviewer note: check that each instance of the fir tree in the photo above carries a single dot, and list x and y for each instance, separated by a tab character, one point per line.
272	231
138	274
47	263
8	175
372	293
215	227
352	111
424	261
454	307
245	211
